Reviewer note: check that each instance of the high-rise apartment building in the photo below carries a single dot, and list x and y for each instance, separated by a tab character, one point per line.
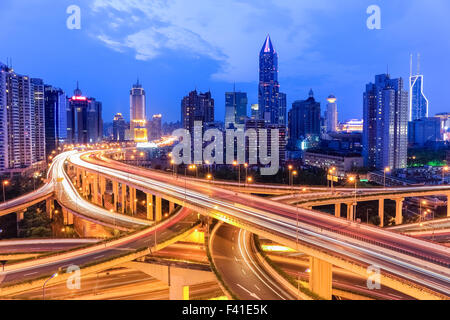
138	119
22	129
38	114
197	107
385	135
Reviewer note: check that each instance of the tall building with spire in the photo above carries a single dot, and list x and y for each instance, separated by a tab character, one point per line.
269	99
418	102
138	119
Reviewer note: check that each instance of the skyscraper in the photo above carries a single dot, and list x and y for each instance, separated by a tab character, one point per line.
138	119
119	128
197	107
55	118
304	122
38	114
269	89
385	135
84	119
332	114
235	108
418	103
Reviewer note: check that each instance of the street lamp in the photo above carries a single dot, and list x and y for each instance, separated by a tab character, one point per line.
331	174
4	184
236	164
423	202
353	179
45	283
387	169
290	167
444	170
246	170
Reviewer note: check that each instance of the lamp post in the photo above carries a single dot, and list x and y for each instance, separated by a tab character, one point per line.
246	171
294	174
4	184
45	283
423	202
387	169
331	173
353	179
444	170
238	165
290	167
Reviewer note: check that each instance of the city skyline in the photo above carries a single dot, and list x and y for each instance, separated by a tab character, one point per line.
171	73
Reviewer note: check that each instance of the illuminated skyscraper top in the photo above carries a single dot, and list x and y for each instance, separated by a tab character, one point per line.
269	88
138	118
418	103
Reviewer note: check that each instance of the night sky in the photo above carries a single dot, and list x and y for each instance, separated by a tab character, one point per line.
175	46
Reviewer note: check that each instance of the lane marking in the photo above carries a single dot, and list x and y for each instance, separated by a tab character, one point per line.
249	292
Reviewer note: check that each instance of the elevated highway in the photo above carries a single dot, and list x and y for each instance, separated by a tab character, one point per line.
417	268
154	238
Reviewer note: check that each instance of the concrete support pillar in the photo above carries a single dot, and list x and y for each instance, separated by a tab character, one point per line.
77	177
69	218
337	210
149	207
381	212
65	216
448	205
123	201
115	194
20	215
133	203
321	277
158	209
399	211
102	191
95	196
49	206
83	182
178	291
350	211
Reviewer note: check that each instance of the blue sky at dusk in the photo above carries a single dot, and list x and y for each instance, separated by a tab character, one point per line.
174	46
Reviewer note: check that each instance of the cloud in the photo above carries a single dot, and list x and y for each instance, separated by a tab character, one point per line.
229	32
